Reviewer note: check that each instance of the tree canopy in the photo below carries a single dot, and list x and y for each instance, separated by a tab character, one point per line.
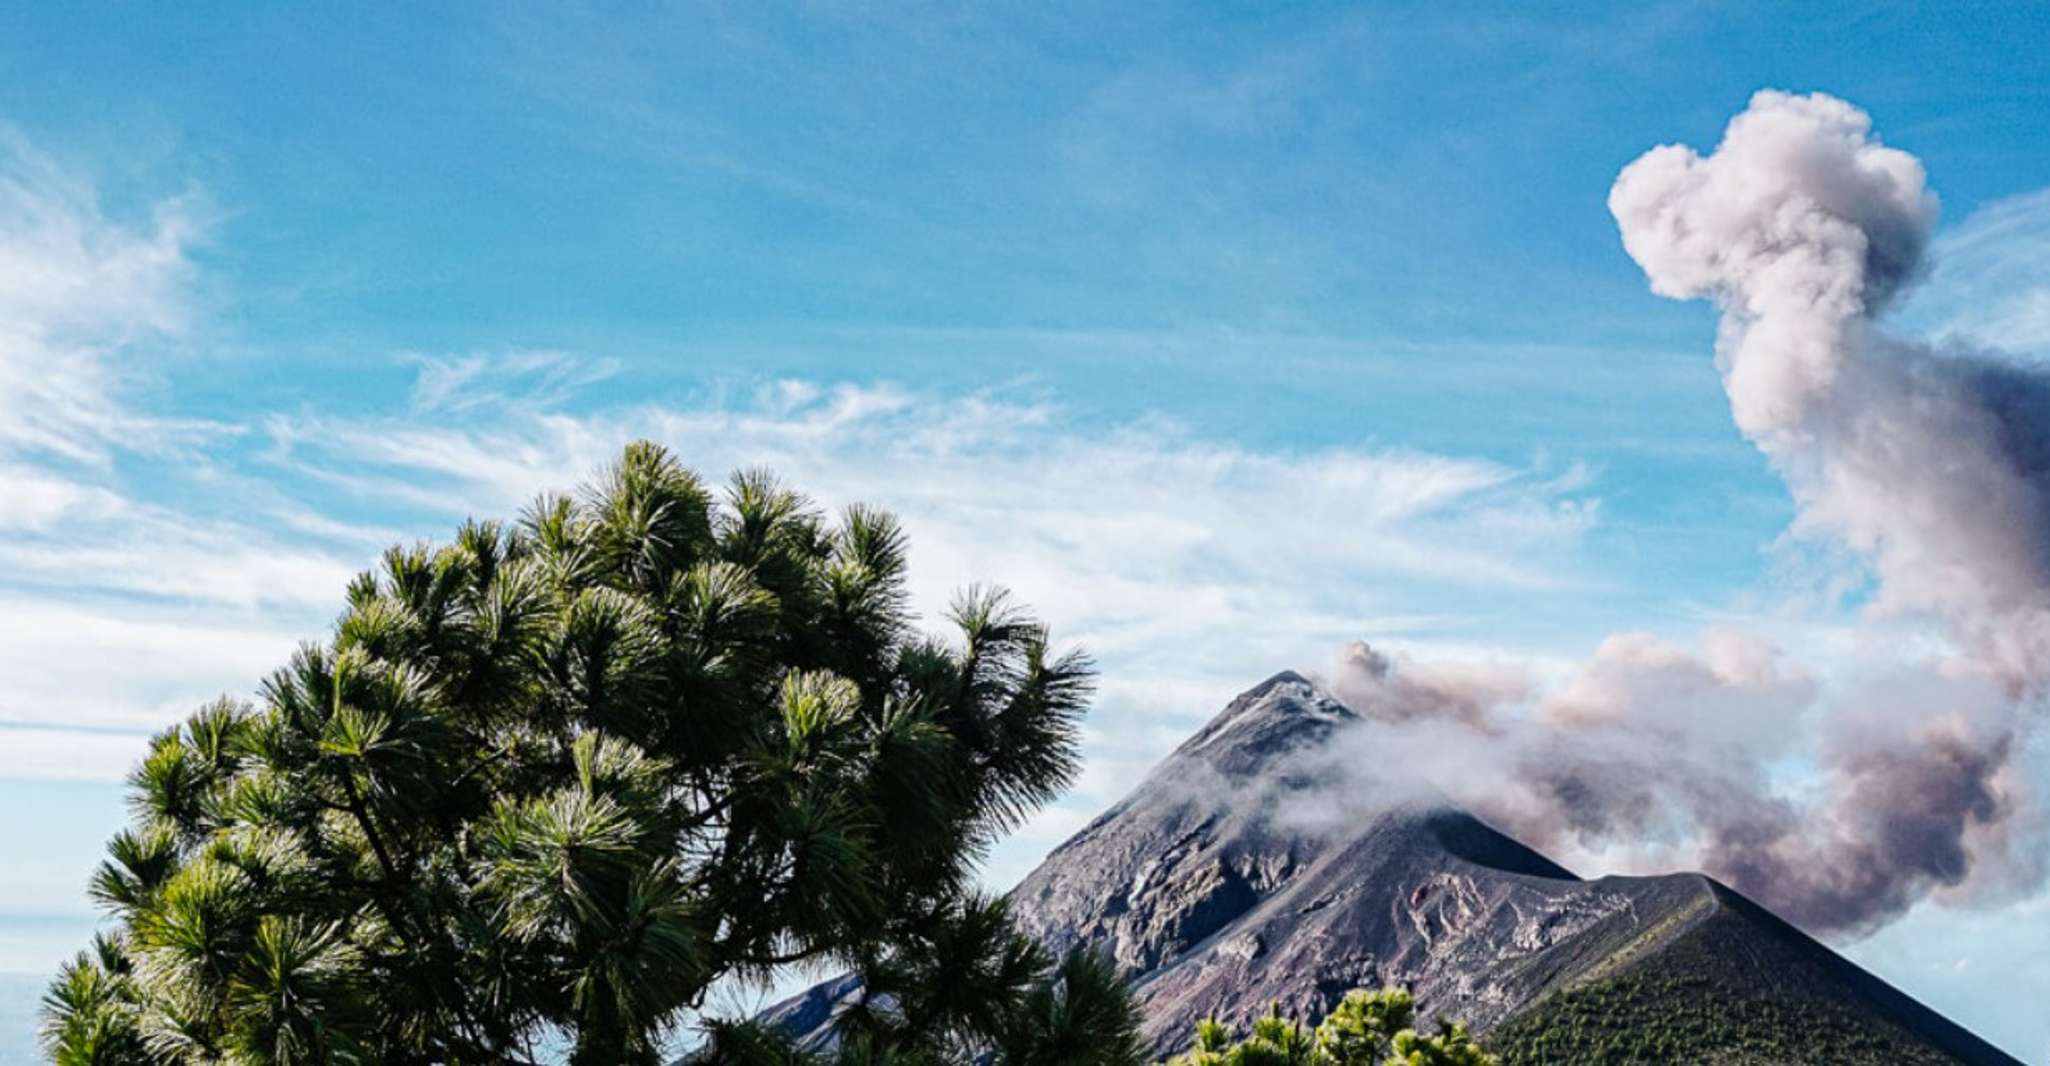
1365	1029
551	783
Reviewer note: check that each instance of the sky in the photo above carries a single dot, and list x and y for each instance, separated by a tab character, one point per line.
1224	334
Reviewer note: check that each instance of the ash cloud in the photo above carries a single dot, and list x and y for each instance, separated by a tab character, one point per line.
1838	801
1803	228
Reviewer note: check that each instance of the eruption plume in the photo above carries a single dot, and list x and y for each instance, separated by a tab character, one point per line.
1931	466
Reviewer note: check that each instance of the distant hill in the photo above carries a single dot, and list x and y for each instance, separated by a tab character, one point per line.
1212	899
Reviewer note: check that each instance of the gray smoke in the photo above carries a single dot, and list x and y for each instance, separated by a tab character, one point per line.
1839	802
1802	228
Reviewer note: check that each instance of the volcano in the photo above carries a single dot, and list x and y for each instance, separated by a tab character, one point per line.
1216	896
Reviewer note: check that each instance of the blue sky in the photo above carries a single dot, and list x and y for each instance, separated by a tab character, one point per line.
1224	333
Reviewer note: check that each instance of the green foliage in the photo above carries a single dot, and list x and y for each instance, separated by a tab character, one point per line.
1365	1029
89	1013
561	778
1690	1016
1081	1016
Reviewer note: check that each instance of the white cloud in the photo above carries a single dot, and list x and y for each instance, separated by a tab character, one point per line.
68	754
1991	285
531	381
119	546
37	499
120	665
1192	568
77	288
117	612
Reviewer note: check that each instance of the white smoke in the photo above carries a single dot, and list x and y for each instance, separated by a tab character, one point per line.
1802	228
1839	802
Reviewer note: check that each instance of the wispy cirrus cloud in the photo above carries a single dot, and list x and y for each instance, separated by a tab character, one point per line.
46	754
78	290
1189	563
531	381
992	480
1992	281
99	664
120	599
1189	566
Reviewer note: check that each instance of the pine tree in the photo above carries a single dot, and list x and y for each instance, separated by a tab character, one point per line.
1365	1029
559	780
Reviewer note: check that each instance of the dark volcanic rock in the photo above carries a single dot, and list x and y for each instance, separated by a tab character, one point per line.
1229	880
1213	899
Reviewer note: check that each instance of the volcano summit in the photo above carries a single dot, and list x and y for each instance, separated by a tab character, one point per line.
1218	889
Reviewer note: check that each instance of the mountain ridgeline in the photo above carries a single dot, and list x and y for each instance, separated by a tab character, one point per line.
1216	891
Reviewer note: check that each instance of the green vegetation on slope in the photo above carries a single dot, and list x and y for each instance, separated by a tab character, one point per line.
1732	987
1634	1019
1365	1029
1713	979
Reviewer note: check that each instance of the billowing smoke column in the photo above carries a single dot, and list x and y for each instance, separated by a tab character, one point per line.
1839	804
1802	228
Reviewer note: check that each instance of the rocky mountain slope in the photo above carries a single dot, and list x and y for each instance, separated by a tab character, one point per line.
1225	883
